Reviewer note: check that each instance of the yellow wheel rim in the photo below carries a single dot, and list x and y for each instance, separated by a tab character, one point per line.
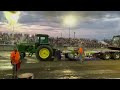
44	53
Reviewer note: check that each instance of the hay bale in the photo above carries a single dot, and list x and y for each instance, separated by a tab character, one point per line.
26	76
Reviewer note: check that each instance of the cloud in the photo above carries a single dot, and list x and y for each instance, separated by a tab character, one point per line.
91	24
99	24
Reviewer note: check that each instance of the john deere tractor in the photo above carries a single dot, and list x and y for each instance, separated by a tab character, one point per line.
41	47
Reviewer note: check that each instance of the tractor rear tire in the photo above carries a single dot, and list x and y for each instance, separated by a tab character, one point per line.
44	55
106	56
116	56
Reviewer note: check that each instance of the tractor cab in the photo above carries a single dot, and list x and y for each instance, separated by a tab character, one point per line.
41	39
116	41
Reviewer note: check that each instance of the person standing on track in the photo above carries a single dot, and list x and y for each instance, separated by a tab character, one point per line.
15	61
58	54
81	54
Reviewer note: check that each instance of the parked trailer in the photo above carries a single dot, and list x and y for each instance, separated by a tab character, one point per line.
113	51
107	54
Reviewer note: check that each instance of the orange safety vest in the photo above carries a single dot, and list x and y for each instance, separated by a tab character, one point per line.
15	57
81	50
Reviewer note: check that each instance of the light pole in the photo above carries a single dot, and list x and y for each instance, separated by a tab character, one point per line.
74	35
12	17
69	36
61	35
13	35
69	32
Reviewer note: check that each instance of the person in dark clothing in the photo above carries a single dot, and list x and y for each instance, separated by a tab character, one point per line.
58	54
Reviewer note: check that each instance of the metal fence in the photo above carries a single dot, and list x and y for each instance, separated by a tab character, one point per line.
6	47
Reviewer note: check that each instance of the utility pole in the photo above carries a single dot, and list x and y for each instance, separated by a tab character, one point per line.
13	35
61	35
69	36
74	35
69	32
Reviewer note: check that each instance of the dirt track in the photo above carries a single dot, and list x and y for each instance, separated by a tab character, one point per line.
92	69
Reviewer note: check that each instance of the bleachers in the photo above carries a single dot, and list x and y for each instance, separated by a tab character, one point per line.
7	39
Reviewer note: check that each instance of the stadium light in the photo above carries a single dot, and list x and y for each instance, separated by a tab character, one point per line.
12	17
70	21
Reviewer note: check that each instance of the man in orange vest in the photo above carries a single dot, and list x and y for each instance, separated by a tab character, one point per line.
81	54
15	61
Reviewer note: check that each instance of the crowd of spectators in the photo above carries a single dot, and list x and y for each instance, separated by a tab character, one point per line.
88	43
8	38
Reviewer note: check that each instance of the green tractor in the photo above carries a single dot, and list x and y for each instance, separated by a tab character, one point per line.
41	47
